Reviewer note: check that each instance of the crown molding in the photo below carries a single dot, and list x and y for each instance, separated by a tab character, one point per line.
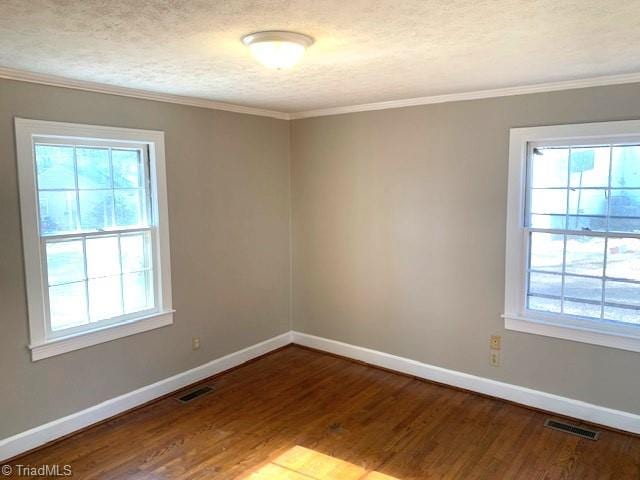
53	80
475	95
24	76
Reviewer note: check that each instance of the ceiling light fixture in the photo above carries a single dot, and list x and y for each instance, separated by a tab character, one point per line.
277	49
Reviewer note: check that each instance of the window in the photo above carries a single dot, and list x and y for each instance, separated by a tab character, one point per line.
573	233
95	232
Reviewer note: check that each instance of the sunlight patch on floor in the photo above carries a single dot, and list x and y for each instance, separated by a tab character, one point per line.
299	463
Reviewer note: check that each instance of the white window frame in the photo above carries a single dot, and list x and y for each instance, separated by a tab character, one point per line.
43	343
516	316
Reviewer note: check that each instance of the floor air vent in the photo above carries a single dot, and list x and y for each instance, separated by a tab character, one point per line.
192	395
568	428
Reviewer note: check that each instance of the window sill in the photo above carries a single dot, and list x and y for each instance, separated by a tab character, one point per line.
625	338
62	345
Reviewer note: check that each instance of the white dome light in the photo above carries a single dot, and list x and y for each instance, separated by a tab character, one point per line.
277	49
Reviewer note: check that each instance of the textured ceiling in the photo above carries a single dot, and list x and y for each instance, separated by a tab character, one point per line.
365	51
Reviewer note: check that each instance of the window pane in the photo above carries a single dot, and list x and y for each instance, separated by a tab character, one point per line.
631	225
588	202
625	167
583	288
623	258
627	315
548	201
93	168
68	305
548	221
622	292
625	203
129	210
127	168
58	212
103	257
105	298
138	291
96	209
581	222
545	284
546	252
589	167
55	167
543	304
583	309
65	262
585	255
134	249
550	169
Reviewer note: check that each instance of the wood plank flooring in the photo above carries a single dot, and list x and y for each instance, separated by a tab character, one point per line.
299	414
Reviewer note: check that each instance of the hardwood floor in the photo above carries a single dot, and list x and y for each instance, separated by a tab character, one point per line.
299	414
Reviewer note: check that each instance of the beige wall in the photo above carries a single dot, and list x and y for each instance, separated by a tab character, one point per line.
398	244
399	238
228	189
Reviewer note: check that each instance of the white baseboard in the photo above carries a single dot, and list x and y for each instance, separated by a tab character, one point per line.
534	398
22	442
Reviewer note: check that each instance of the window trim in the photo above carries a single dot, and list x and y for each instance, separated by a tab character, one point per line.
516	316
41	345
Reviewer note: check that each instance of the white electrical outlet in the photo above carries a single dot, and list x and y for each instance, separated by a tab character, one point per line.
195	343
